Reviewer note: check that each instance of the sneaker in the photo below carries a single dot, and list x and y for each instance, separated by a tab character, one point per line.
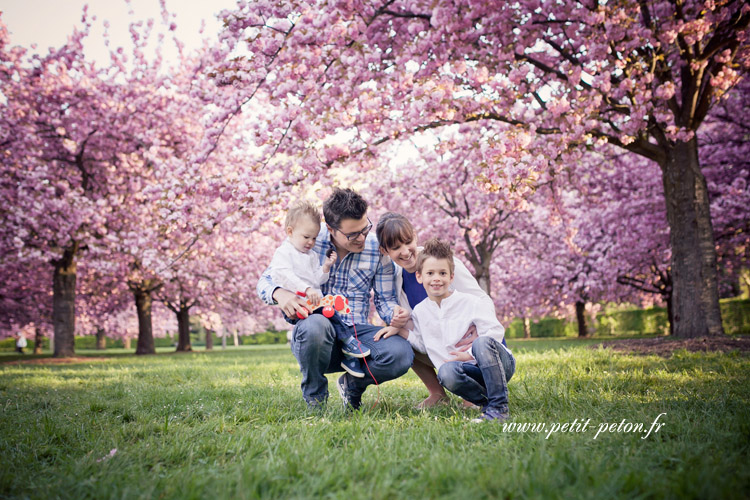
353	367
355	349
350	401
493	415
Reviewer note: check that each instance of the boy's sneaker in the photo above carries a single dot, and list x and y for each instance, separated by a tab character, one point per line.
493	415
353	367
350	401
355	349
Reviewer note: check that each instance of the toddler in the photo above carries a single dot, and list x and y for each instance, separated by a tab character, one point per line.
295	267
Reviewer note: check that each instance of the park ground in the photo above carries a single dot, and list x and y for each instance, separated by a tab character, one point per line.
232	424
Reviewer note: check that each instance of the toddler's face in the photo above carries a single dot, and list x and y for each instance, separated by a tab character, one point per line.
303	235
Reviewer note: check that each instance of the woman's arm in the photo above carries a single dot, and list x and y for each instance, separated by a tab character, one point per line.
464	281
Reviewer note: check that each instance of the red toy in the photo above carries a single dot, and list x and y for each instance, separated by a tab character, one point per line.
329	303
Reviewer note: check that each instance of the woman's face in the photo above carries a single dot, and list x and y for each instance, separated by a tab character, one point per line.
405	255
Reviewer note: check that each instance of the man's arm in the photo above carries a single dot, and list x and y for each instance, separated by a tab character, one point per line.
271	294
385	290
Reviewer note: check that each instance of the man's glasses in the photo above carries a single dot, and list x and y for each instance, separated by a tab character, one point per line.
357	234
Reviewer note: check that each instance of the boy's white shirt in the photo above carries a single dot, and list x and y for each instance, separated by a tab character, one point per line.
437	329
463	281
296	271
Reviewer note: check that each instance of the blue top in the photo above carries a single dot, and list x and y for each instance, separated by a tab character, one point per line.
415	292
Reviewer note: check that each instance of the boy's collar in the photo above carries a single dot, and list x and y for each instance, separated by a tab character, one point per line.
450	294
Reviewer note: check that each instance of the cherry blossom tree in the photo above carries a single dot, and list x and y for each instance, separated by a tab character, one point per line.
64	129
725	156
641	76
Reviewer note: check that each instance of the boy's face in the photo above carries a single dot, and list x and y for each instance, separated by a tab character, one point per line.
303	235
436	277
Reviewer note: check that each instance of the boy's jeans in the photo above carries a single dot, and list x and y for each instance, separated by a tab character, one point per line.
318	352
485	383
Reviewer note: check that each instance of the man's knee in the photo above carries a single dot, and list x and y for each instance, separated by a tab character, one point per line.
315	329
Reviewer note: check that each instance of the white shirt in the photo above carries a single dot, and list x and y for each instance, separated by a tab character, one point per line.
296	271
437	329
463	281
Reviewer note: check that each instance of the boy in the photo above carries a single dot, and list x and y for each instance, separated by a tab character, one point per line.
478	373
296	268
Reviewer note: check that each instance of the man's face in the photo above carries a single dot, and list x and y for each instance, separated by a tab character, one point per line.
355	229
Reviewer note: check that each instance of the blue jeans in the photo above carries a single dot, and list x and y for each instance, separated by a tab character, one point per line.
318	352
341	329
485	383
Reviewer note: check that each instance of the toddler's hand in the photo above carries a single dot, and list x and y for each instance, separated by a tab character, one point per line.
313	296
328	263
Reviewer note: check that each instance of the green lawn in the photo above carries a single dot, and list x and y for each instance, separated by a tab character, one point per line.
232	424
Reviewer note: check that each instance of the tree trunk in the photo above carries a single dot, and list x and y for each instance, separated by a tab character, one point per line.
209	340
126	342
670	312
581	318
481	265
236	339
64	303
526	328
38	338
101	339
183	328
695	285
143	303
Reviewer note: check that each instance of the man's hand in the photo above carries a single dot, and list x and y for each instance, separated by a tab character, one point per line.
400	317
290	303
460	356
314	296
390	331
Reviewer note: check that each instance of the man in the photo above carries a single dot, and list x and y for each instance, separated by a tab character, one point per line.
359	269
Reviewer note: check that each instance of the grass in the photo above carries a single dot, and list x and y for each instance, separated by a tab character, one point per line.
232	424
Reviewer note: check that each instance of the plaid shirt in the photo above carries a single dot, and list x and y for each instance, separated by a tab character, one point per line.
353	277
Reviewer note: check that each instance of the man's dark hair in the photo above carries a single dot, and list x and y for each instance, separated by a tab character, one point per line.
343	204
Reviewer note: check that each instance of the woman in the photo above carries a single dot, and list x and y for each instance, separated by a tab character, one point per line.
398	239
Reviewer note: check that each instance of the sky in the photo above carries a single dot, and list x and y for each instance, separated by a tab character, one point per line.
47	23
